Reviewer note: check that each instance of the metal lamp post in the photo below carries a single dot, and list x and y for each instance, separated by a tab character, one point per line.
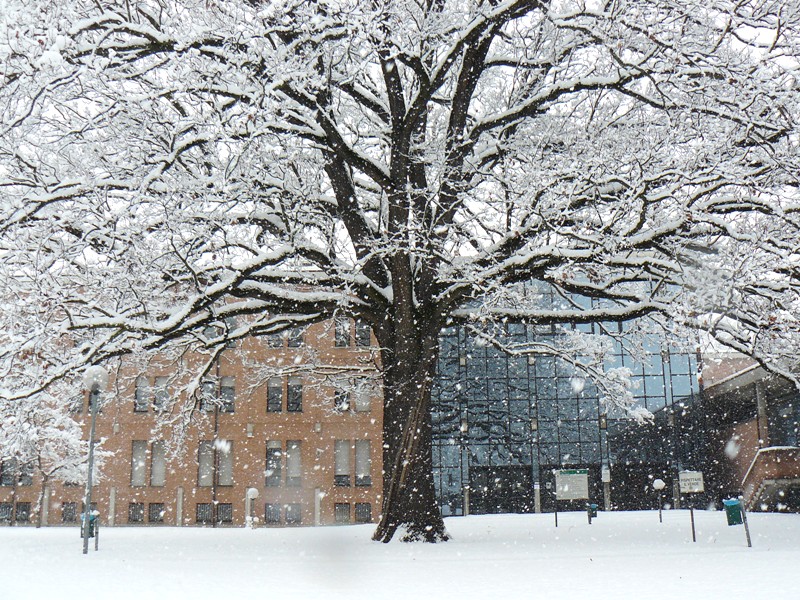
658	485
95	379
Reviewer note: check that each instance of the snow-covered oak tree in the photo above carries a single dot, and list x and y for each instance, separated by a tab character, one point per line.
168	164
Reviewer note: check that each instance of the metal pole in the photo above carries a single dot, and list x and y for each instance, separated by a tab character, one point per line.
744	520
660	504
93	394
691	513
96	534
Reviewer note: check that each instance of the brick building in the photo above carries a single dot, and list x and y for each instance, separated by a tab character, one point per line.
306	439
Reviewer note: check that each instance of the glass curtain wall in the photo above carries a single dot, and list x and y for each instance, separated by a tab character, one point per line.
502	423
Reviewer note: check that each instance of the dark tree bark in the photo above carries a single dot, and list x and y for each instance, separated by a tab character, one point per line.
409	502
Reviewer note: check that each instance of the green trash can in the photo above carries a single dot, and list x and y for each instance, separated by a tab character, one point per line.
592	508
733	511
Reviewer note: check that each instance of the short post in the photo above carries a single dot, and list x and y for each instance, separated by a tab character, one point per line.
744	520
659	486
589	512
96	532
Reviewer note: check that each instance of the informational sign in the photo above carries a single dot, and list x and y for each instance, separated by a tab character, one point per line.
691	482
572	484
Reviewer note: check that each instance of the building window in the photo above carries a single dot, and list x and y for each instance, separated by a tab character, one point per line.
138	462
275	340
224	512
361	399
155	512
294	394
227	394
158	464
8	472
342	332
204	513
363	512
9	476
136	512
6	510
362	333
205	464
69	512
293	514
272	514
293	468
141	395
341	400
363	463
23	512
25	475
341	512
273	470
207	395
295	337
275	394
161	396
224	462
341	459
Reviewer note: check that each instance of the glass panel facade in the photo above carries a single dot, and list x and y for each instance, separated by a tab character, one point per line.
503	422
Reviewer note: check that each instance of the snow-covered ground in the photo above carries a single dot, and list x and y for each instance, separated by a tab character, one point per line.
620	556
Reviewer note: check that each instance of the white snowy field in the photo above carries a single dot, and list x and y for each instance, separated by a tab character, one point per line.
620	556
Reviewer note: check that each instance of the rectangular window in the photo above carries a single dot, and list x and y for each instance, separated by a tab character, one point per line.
361	399
23	512
363	463
69	512
25	475
227	394
342	332
155	512
293	514
8	472
275	340
158	464
341	400
273	470
208	394
6	510
205	464
136	512
341	512
294	394
363	512
230	326
141	394
293	465
224	462
295	337
138	462
272	514
275	394
362	333
224	512
161	396
204	513
341	459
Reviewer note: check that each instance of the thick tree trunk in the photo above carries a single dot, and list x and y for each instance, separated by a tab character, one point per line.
409	503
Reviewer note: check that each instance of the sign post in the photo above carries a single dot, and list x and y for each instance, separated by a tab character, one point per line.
571	484
736	515
659	486
691	482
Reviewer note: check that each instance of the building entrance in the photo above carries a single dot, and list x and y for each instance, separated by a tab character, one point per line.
502	489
